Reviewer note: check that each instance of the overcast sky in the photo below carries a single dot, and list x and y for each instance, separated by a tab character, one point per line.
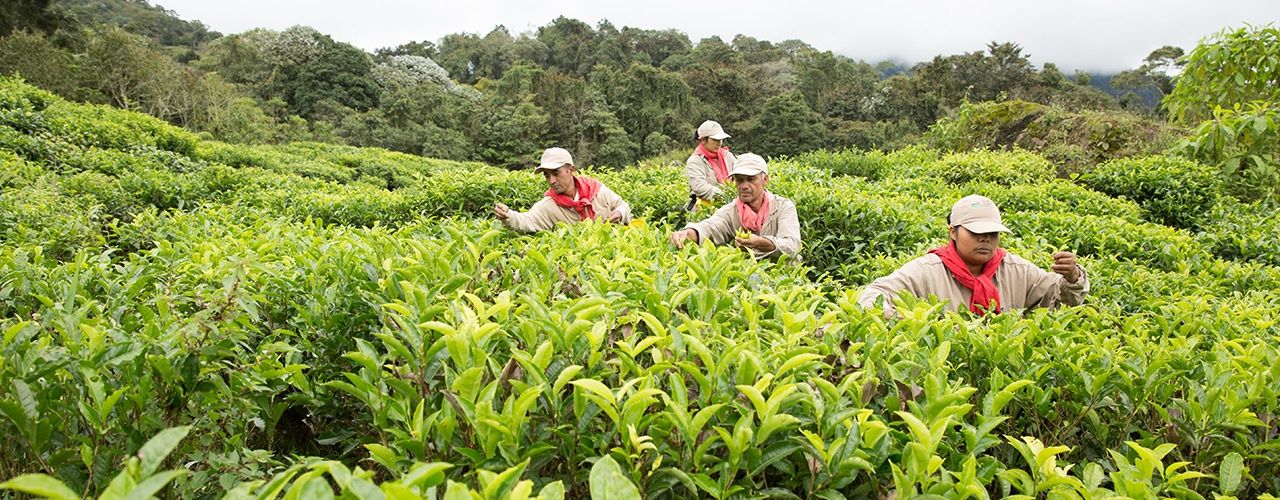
1093	35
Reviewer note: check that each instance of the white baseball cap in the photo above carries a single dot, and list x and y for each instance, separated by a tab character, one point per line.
978	214
713	130
554	158
749	164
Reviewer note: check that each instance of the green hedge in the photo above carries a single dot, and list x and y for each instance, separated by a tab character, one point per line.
1174	191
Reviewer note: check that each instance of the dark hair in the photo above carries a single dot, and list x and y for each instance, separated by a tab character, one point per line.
695	136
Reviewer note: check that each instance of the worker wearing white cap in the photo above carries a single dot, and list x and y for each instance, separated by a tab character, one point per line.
709	165
770	220
972	272
570	198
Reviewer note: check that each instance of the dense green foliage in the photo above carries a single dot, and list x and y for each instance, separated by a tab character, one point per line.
1173	191
1231	87
611	95
1074	141
238	308
1233	67
1244	143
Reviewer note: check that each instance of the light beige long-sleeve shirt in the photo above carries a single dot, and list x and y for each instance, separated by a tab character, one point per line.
545	214
702	179
1022	285
782	227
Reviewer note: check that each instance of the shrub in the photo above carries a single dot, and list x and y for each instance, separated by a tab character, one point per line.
1072	140
866	164
1003	168
1244	143
16	171
1173	191
42	216
1242	231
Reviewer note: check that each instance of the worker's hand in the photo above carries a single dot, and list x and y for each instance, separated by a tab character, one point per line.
679	237
1064	263
614	217
756	242
501	211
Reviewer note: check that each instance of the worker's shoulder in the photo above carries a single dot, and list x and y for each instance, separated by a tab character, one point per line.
780	201
924	263
1013	262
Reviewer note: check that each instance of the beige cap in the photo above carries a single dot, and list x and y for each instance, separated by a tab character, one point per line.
978	214
749	164
554	158
713	130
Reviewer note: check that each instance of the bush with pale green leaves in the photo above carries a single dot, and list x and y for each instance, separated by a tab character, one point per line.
220	320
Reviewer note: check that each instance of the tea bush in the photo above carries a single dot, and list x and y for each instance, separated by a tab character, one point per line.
199	319
1173	191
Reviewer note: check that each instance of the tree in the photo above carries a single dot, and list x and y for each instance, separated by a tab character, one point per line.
339	73
33	15
242	59
647	100
494	54
652	47
122	69
835	86
459	54
1157	72
601	138
512	134
1230	68
421	49
785	125
571	45
40	62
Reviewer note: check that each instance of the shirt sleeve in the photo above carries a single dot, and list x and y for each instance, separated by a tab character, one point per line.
695	171
787	241
886	288
1048	289
611	201
538	218
719	228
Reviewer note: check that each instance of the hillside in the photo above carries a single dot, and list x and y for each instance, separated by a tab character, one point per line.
318	319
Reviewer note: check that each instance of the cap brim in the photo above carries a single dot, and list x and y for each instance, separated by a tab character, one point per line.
745	171
550	166
721	136
986	227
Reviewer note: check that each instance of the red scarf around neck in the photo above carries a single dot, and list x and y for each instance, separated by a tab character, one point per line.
587	189
984	288
751	219
717	161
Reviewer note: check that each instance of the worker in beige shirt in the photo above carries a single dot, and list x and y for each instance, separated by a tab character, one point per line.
708	167
770	220
972	271
571	198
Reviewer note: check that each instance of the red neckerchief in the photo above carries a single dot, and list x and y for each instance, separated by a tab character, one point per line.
717	161
587	189
751	219
983	286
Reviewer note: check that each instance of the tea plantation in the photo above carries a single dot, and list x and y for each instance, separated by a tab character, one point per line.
187	318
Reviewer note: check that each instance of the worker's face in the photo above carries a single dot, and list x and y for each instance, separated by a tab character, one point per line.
560	180
711	145
975	248
751	187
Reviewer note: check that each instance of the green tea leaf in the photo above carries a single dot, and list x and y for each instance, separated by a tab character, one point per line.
1229	473
158	448
609	483
40	485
